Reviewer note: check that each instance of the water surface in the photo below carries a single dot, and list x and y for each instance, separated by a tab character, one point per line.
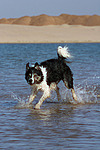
58	125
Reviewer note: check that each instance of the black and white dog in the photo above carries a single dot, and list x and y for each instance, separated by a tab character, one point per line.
46	75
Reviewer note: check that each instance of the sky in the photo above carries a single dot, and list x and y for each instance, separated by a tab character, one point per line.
19	8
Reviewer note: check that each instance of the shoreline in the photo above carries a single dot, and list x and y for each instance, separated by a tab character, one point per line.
47	42
49	34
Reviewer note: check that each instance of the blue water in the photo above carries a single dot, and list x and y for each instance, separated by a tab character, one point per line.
57	125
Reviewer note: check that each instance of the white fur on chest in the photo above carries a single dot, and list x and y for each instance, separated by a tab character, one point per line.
43	85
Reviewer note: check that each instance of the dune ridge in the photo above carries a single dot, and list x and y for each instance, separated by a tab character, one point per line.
43	20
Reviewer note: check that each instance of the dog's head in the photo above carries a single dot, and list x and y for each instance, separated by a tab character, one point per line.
33	74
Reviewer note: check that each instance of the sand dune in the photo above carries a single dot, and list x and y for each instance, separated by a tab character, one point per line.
43	20
48	34
50	29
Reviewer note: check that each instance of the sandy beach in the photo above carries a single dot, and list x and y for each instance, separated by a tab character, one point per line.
10	33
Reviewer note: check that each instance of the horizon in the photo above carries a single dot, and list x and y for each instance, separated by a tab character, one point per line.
20	8
48	15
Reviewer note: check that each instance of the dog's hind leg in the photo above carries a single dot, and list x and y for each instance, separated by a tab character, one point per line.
53	86
73	94
69	84
58	94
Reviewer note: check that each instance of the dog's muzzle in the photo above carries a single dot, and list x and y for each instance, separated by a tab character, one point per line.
30	81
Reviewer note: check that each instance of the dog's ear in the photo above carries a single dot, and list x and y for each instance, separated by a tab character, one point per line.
37	66
27	66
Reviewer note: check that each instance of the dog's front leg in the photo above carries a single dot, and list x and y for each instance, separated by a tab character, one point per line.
31	98
33	95
45	95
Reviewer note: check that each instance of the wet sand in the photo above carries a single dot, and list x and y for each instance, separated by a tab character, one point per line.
49	34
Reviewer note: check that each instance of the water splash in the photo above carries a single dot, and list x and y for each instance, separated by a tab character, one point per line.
87	91
22	102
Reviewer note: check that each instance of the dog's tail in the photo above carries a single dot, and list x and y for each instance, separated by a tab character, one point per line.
63	52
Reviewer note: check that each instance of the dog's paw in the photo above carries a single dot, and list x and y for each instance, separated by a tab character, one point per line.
37	106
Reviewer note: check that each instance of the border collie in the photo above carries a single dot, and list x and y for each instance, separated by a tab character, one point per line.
46	75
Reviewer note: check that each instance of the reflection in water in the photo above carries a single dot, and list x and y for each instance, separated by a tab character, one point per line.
50	110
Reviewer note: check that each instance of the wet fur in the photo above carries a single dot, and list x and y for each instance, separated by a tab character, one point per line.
45	77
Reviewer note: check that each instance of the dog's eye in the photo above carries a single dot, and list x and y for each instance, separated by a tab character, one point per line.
29	74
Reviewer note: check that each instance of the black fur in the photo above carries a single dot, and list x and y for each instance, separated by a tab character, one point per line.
57	70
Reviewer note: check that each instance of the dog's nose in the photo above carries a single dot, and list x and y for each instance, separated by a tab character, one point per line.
30	81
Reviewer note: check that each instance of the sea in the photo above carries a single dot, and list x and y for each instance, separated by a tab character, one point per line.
58	125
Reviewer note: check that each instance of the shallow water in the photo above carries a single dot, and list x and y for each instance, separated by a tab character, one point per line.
57	125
